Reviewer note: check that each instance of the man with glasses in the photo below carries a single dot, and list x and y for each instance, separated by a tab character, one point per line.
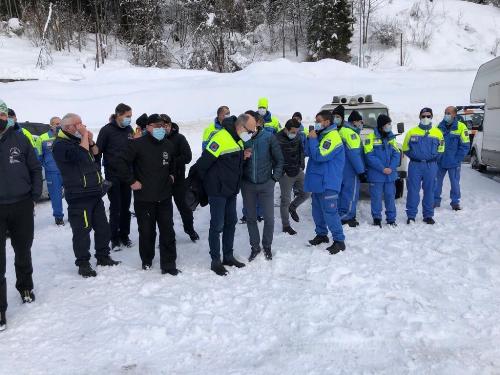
44	145
74	152
457	145
20	186
424	146
220	167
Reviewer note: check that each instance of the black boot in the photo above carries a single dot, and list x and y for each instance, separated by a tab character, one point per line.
86	270
429	220
318	240
243	220
377	222
59	221
125	241
116	244
171	271
260	219
3	321
27	296
253	254
193	236
107	262
336	247
232	262
392	224
293	214
456	207
146	266
409	221
268	254
218	268
289	230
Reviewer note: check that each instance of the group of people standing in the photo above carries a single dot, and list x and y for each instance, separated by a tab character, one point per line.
250	154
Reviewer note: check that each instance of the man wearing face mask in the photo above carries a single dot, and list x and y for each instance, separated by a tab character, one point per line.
20	186
382	157
182	156
324	179
152	178
142	123
271	123
354	166
424	146
12	122
74	151
260	174
112	140
44	145
223	112
290	140
220	167
457	145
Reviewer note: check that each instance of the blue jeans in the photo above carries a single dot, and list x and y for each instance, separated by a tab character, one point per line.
326	216
54	186
223	219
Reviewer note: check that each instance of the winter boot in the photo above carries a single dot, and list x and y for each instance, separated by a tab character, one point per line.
392	224
59	221
116	244
193	236
218	268
171	271
410	220
146	266
293	214
429	220
289	230
3	321
456	207
267	253
243	220
107	262
86	270
377	222
336	247
232	262
27	296
318	240
253	254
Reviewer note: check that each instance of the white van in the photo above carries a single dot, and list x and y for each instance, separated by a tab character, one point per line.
486	89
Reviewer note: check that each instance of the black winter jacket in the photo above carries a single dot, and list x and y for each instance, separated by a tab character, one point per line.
152	164
80	173
112	140
182	153
293	153
20	170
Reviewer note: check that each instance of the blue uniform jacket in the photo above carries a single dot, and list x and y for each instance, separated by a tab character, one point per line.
457	144
46	156
354	164
381	153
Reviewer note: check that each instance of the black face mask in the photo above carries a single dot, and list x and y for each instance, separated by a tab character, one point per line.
3	125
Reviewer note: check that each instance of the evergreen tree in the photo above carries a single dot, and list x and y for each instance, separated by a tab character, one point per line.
329	29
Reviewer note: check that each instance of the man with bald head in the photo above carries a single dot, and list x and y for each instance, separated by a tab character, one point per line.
220	167
44	145
74	151
457	145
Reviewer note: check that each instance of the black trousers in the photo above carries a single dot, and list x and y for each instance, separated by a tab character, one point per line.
120	196
85	215
149	214
179	194
17	218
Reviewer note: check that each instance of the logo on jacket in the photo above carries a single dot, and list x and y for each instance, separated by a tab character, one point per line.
165	158
15	153
214	146
327	145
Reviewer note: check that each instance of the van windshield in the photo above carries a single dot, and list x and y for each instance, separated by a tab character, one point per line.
369	115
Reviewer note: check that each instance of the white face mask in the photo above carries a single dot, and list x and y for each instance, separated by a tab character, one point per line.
426	121
78	135
262	111
245	136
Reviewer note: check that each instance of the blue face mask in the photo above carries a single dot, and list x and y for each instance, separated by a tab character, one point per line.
159	133
292	135
318	126
10	122
448	119
337	120
126	122
387	128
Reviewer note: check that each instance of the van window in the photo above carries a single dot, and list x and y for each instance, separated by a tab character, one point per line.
369	115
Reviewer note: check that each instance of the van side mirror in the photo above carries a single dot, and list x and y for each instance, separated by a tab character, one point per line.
401	127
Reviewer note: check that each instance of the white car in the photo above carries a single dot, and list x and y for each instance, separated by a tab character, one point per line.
370	110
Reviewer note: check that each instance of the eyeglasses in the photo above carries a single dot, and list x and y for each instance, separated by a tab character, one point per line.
248	130
426	116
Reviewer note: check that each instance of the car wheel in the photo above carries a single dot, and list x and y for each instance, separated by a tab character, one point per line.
400	188
475	164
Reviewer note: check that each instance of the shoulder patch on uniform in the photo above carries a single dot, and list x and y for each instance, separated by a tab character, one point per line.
214	146
327	145
354	136
466	133
367	141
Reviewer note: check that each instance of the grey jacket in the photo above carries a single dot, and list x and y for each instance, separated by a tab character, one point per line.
266	161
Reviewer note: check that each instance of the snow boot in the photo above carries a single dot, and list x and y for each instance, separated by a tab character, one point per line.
377	222
171	271
456	207
260	219
253	254
429	220
3	321
146	266
107	262
27	296
86	270
410	220
59	221
293	214
218	268
392	224
243	220
289	230
232	262
318	240
267	253
193	236
336	247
